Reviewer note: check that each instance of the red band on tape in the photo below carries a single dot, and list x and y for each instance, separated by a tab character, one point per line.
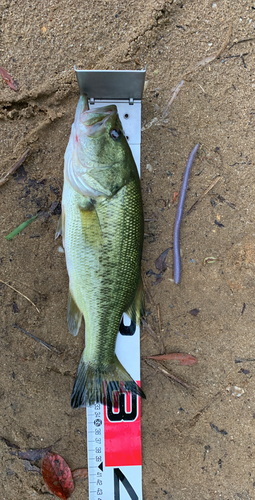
122	431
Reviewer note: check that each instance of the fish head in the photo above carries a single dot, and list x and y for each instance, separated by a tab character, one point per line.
97	148
100	136
101	131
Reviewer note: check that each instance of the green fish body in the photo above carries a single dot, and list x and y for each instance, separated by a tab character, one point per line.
102	230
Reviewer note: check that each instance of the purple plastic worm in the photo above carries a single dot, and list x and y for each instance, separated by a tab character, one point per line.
178	218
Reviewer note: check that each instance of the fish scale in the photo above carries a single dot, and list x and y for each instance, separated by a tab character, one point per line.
113	270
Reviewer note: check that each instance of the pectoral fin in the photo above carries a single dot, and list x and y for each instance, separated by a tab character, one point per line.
91	228
60	231
74	315
59	228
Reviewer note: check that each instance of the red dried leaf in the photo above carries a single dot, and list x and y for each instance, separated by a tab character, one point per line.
8	79
175	196
80	474
57	475
184	359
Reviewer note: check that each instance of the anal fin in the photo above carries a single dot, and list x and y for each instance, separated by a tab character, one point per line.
136	309
74	315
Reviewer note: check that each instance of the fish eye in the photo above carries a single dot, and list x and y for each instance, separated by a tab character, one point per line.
115	133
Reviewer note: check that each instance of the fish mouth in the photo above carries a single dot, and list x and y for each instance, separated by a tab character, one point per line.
95	121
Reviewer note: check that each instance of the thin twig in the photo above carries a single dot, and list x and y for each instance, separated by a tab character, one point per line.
13	169
236	56
48	346
28	286
159	318
31	302
162	348
126	60
145	285
200	87
240	41
175	91
149	125
153	334
158	366
203	194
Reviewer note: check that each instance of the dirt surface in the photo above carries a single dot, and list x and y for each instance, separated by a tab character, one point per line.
197	443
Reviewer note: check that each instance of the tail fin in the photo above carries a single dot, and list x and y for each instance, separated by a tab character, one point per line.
89	383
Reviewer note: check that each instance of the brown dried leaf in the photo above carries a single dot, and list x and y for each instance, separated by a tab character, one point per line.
160	261
34	455
194	312
30	468
80	474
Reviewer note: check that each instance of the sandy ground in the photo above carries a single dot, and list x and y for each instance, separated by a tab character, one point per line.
197	443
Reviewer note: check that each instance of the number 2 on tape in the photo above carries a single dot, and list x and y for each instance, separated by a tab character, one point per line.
119	477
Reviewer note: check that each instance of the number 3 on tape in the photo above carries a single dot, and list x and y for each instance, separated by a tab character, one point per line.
114	449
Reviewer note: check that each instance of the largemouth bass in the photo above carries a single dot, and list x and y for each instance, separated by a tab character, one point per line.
102	230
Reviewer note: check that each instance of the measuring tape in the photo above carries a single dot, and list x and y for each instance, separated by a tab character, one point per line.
114	434
114	429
